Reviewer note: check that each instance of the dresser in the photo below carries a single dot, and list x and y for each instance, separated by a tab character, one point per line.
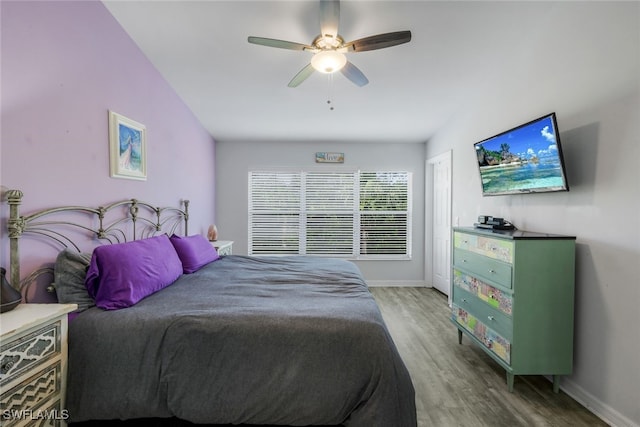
513	295
33	365
223	247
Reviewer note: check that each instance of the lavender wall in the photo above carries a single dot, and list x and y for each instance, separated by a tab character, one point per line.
64	65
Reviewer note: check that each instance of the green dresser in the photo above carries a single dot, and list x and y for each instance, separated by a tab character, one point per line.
513	294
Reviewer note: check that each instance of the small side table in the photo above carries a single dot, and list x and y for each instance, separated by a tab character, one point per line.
224	247
33	364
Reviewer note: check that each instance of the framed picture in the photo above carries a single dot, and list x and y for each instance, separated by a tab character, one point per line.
127	148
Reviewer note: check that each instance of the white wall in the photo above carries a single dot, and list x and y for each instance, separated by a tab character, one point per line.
584	65
234	160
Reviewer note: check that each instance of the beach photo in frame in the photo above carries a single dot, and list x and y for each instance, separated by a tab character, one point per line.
127	148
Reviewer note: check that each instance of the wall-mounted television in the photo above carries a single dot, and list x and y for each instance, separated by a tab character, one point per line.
525	159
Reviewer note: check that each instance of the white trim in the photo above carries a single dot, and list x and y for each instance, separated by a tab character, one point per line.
602	410
397	284
428	214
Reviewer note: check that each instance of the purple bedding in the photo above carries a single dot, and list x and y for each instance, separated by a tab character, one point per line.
288	340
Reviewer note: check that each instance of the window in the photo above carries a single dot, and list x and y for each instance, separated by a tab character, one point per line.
347	214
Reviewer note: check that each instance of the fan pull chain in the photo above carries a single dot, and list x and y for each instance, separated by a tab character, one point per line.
329	87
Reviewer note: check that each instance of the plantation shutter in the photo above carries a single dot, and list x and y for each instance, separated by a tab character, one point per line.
346	214
330	206
274	213
384	213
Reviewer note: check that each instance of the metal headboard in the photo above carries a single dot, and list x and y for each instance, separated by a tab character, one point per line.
118	222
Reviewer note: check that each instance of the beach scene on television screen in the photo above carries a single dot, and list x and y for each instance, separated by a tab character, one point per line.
524	159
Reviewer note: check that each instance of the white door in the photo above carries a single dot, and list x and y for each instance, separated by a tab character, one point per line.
439	171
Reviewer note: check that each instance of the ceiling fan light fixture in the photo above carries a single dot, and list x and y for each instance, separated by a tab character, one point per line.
328	61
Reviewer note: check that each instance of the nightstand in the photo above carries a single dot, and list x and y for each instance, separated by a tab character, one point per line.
224	247
33	364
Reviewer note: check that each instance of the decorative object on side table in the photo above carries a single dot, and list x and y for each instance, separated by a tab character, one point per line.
11	297
212	233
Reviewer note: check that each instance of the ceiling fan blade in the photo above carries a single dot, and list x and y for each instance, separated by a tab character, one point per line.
354	74
379	41
329	18
301	76
282	44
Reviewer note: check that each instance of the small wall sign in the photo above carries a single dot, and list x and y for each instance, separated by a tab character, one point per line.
329	157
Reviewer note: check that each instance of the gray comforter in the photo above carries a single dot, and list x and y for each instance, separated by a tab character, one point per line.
289	340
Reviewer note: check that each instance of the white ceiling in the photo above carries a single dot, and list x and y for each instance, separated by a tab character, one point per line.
239	90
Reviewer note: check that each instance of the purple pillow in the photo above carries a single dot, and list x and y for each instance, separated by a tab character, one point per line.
122	274
194	252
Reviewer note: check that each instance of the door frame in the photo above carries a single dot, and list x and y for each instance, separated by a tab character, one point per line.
447	156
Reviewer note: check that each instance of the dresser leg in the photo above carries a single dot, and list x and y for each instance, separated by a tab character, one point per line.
556	383
459	336
510	377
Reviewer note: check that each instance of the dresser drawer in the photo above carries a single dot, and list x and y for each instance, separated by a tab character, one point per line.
490	295
29	351
493	318
493	270
30	397
493	248
488	337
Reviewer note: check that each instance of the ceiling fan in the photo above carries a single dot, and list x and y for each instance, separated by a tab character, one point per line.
329	47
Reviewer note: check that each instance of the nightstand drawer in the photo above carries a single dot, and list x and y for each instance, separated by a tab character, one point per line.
491	317
493	248
493	270
33	393
51	416
29	351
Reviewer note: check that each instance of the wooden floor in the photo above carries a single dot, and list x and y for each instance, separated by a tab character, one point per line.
459	385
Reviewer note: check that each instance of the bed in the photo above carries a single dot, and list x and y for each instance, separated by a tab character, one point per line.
235	340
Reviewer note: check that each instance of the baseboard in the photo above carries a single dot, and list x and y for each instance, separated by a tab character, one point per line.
396	283
603	411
